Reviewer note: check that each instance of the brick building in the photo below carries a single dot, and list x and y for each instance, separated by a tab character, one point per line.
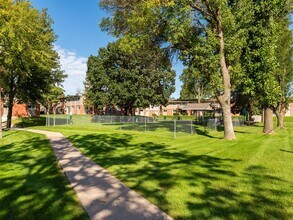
72	104
22	110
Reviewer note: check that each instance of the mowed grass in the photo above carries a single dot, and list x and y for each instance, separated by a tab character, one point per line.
199	176
32	185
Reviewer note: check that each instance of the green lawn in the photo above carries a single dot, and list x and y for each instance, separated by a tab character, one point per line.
198	176
32	185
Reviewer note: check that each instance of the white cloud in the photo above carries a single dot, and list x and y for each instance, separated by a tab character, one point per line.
75	67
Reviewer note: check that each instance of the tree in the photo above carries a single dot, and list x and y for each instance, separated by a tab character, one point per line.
195	85
29	64
129	79
187	26
284	71
52	97
261	59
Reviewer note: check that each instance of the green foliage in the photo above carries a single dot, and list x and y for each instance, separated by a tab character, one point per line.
267	58
195	85
284	72
125	78
29	64
52	97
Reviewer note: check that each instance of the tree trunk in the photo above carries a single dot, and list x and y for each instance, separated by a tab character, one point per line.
11	95
225	98
198	95
280	119
227	119
9	114
280	113
268	121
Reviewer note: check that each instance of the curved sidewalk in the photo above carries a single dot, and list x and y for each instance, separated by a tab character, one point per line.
103	196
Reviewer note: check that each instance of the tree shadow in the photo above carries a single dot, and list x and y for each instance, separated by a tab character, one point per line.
208	187
181	127
287	151
30	122
155	171
32	186
260	198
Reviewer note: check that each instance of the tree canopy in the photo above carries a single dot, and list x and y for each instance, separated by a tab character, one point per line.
118	77
207	31
29	65
266	78
231	44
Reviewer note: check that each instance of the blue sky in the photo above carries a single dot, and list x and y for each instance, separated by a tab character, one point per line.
76	22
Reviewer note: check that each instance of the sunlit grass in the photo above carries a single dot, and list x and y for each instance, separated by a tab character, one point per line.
32	185
198	176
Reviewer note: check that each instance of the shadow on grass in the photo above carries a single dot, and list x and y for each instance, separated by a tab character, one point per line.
207	186
183	127
202	132
31	122
287	151
32	186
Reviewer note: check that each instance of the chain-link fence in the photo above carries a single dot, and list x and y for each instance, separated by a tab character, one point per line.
166	127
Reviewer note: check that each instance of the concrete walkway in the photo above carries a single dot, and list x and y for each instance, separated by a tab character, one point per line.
102	195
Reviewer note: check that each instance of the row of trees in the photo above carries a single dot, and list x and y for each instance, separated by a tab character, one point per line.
29	65
240	49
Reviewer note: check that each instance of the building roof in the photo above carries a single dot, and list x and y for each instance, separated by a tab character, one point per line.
170	107
198	106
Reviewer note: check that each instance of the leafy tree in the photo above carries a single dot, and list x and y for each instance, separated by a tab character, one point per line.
195	85
52	97
196	28
96	81
284	71
129	79
261	59
29	64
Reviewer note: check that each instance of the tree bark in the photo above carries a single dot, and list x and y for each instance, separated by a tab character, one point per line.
198	95
280	119
280	113
225	98
11	95
9	114
268	121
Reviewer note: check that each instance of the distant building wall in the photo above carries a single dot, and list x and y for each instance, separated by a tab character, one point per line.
290	109
74	105
22	110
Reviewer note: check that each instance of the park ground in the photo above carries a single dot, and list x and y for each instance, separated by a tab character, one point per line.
198	176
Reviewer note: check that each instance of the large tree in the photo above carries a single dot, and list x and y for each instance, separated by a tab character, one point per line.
284	72
29	65
265	62
129	79
187	26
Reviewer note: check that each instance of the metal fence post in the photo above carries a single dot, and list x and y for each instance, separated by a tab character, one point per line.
215	124
48	119
54	119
